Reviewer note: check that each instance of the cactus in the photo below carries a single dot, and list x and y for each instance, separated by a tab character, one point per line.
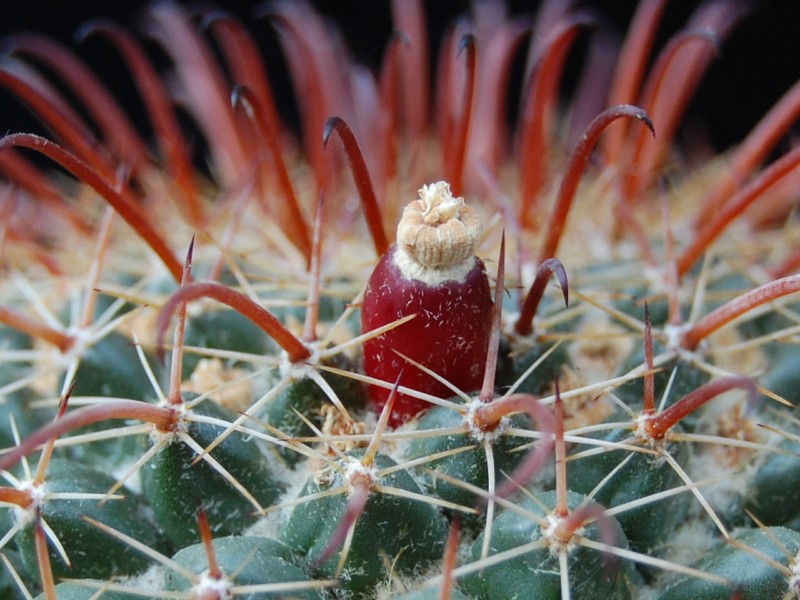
594	397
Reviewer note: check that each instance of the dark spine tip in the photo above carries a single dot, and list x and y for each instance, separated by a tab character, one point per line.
754	398
642	115
631	111
187	263
709	35
401	37
90	28
556	267
264	10
466	41
548	268
239	96
9	43
588	18
63	402
212	17
331	124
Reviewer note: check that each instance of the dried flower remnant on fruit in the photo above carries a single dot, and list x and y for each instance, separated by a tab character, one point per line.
431	272
438	230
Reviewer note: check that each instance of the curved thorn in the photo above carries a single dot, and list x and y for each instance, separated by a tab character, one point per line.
684	74
176	368
466	41
213	16
539	99
172	142
291	219
164	419
358	168
129	212
12	496
204	90
580	516
550	267
738	306
772	127
630	68
98	102
637	177
658	426
388	93
488	415
25	174
315	272
409	17
47	452
658	72
265	320
65	123
575	167
401	37
293	223
34	328
744	198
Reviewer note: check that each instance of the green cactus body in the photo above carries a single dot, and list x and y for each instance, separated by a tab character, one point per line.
17	405
649	526
305	397
245	561
784	377
78	591
515	359
747	575
8	586
176	484
11	340
469	466
536	573
223	330
431	594
15	400
773	494
111	368
92	552
407	532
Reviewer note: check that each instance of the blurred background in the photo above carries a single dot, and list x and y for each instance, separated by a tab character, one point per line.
759	62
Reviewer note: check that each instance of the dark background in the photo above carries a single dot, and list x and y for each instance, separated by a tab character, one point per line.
757	64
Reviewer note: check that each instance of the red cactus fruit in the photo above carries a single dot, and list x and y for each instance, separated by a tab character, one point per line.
431	272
